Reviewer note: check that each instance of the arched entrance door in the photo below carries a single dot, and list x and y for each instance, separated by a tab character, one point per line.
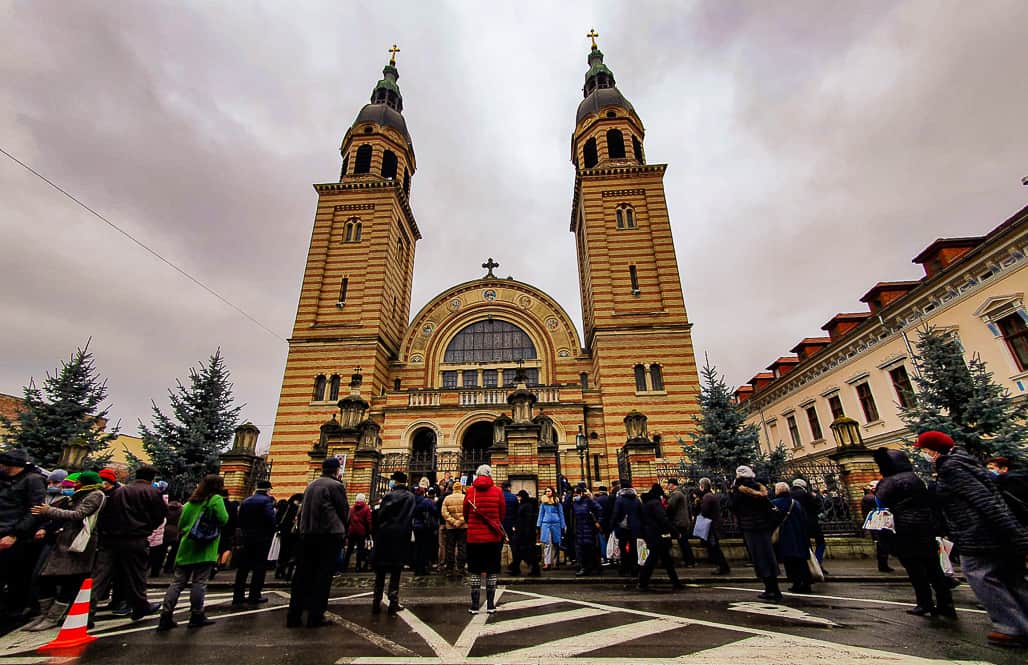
475	445
422	456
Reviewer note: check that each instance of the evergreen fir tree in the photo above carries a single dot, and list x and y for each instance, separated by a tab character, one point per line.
771	466
67	408
724	440
185	445
961	399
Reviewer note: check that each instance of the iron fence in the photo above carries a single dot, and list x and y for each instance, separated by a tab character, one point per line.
624	467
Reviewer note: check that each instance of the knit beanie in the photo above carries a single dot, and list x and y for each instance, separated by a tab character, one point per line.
938	441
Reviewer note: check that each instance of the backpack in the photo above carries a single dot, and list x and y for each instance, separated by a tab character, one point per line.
206	528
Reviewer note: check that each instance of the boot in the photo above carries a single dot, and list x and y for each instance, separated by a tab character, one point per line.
52	618
199	620
44	606
167	622
476	596
771	591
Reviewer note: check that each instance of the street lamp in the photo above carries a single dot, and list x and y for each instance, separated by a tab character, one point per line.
847	433
73	454
582	446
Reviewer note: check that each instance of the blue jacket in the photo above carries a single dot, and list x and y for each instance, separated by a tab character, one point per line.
512	510
551	513
256	518
628	512
603	505
793	542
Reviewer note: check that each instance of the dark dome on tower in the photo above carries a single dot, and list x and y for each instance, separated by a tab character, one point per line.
600	90
386	104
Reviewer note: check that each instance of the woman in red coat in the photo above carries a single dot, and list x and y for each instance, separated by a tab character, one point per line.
484	508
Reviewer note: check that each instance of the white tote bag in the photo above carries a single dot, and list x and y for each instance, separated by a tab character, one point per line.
612	548
276	548
85	534
642	549
701	529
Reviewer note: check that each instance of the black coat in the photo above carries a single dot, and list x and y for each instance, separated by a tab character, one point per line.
524	523
17	496
628	512
811	507
603	504
752	506
256	518
133	511
977	517
392	527
907	497
1014	486
656	525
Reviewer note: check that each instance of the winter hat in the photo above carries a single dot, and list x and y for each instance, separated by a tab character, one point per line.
362	497
424	482
937	441
656	490
331	464
419	491
484	470
87	478
799	482
744	472
68	482
524	495
603	488
15	457
399	477
57	475
108	475
457	487
781	488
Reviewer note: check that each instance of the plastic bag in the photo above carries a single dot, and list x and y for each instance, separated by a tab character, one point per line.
642	550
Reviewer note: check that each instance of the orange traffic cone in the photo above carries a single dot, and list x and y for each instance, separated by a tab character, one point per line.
73	632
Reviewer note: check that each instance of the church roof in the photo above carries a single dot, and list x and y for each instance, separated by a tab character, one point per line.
599	90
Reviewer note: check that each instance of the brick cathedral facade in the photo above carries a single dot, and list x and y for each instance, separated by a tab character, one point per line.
439	393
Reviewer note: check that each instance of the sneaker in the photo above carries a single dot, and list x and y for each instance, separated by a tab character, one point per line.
920	611
491	610
999	639
121	611
472	611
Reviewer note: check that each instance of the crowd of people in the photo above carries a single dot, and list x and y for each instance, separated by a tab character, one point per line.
58	529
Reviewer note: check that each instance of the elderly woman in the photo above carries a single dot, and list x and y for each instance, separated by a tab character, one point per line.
70	563
757	519
793	546
484	508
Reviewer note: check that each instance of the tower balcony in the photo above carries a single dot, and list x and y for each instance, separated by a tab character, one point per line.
478	397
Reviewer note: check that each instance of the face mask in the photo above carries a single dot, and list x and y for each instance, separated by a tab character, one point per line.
927	457
68	491
53	489
392	484
994	472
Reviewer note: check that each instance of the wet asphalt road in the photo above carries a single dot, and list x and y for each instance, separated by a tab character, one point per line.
554	623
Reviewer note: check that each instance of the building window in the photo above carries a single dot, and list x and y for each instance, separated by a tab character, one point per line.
319	388
406	182
815	424
509	377
589	153
835	404
389	165
333	388
794	431
396	384
637	150
363	162
656	377
346	163
657	452
901	383
633	275
490	341
619	214
615	144
354	230
640	378
1015	334
343	286
624	216
584	379
450	379
532	376
489	378
867	402
469	378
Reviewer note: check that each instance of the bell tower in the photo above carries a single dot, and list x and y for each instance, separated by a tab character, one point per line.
355	299
633	310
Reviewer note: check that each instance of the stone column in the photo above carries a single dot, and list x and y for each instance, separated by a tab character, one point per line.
365	462
238	463
857	469
642	454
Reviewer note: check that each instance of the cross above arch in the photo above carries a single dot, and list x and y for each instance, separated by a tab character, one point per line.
489	265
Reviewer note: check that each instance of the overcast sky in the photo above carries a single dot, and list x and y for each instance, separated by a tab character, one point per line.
813	147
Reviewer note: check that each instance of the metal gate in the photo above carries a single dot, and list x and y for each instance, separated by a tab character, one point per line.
826	481
261	471
624	467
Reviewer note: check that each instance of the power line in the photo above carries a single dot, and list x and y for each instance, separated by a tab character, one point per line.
141	244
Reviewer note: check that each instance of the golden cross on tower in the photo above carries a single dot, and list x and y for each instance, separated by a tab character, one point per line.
392	55
593	35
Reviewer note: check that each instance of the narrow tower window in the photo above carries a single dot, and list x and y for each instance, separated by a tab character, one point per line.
406	182
363	161
637	150
624	216
656	377
620	214
630	217
584	378
589	154
342	289
615	144
346	163
634	276
389	165
319	388
640	378
357	228
333	388
349	232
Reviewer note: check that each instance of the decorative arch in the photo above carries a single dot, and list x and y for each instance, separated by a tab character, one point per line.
461	427
615	144
362	164
407	438
590	157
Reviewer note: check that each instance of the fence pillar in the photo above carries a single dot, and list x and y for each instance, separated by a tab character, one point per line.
365	464
857	469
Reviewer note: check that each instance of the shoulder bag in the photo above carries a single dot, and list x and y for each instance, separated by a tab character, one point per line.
880	519
206	528
777	533
85	534
493	525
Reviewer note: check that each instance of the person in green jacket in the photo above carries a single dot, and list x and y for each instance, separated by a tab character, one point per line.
195	559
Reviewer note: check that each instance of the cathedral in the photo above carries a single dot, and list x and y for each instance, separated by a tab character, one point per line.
491	370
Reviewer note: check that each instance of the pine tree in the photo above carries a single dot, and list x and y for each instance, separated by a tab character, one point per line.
724	440
67	408
185	445
961	399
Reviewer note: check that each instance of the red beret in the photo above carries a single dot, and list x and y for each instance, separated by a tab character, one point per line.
939	441
109	475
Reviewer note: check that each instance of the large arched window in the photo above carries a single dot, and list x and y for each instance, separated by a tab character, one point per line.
637	150
589	154
333	388
319	388
389	164
363	162
615	144
490	341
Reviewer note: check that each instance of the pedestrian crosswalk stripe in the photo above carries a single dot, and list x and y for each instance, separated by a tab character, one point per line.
535	621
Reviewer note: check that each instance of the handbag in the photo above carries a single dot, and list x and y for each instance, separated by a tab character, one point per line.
814	566
206	528
643	550
702	527
880	519
612	547
85	534
276	547
493	525
777	533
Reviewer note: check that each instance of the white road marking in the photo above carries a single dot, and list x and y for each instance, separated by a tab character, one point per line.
876	601
577	644
536	620
439	646
470	634
528	603
383	643
782	611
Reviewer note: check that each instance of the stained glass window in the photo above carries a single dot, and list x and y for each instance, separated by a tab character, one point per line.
490	341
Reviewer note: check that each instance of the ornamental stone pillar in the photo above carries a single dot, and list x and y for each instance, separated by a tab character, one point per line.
640	451
238	463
